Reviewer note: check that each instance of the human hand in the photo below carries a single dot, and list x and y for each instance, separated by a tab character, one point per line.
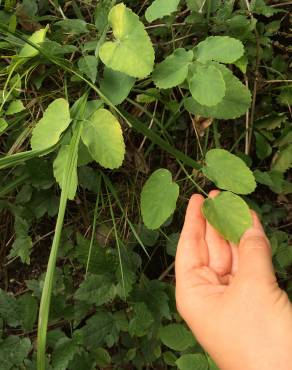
229	296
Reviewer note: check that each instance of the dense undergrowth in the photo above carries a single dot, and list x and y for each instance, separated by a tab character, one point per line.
108	123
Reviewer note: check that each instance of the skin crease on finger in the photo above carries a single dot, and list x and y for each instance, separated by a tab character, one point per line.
231	300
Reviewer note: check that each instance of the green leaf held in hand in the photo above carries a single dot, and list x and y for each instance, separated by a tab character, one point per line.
228	214
102	134
228	172
158	198
223	49
160	8
132	52
206	84
54	122
173	70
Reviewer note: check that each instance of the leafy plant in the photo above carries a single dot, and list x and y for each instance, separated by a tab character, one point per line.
111	116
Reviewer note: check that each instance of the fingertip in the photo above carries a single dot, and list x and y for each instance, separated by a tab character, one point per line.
214	193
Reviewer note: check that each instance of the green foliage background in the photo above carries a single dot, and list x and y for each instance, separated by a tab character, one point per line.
112	114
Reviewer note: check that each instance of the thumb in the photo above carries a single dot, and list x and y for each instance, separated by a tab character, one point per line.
254	253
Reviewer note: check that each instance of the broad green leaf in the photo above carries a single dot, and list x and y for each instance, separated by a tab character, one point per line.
84	156
283	160
176	337
192	362
3	125
160	8
102	134
9	309
173	70
63	353
88	66
14	107
37	38
142	320
273	179
28	309
228	172
102	357
271	121
97	328
97	289
228	214
132	52
223	49
116	85
54	122
206	84
22	248
13	351
234	104
158	198
73	26
59	167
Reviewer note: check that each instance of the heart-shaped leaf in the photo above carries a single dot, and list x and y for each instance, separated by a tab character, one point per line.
158	198
206	84
132	52
229	172
102	134
228	214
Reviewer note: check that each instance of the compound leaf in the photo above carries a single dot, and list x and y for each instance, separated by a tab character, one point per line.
132	52
102	134
206	84
54	122
228	214
173	70
234	104
223	49
160	8
229	172
158	198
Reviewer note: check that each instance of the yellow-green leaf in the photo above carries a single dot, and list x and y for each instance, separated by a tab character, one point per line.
37	38
102	134
132	52
54	122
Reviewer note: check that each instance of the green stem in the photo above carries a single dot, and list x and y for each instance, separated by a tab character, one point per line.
48	284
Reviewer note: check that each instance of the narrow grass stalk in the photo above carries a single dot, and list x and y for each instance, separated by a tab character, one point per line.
48	284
